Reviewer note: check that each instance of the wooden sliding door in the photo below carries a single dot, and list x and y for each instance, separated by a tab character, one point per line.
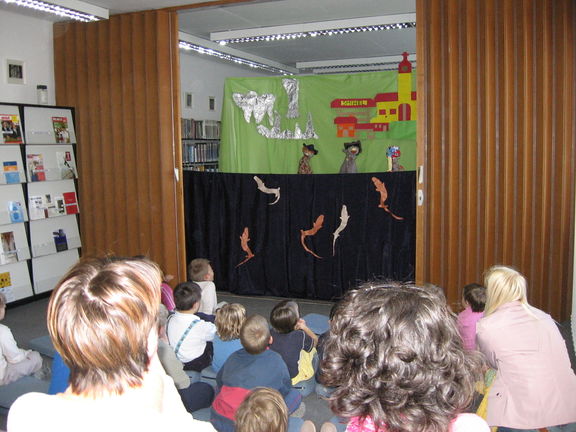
122	75
496	138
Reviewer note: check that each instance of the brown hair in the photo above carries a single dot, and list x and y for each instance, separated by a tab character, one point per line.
198	268
263	410
99	318
229	320
186	295
475	295
255	334
284	316
396	356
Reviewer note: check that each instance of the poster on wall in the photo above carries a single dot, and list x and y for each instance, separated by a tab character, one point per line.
268	123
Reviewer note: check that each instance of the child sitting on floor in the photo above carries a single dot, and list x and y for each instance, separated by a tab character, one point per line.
264	410
296	343
15	363
166	293
201	272
195	395
253	366
474	299
229	320
189	336
392	355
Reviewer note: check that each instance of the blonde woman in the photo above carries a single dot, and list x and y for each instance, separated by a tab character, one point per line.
535	386
102	318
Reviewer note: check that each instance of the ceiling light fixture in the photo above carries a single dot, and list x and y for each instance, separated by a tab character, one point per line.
391	61
315	29
74	9
333	32
238	60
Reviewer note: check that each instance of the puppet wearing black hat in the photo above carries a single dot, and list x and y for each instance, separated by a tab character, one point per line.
352	149
307	152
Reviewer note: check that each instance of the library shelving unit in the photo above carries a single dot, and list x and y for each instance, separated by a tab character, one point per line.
200	145
39	233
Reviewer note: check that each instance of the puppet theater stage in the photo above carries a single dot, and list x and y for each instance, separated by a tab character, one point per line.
270	231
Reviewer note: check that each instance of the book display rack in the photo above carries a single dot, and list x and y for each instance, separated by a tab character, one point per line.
39	233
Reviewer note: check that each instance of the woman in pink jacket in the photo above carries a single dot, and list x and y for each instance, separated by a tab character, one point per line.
535	386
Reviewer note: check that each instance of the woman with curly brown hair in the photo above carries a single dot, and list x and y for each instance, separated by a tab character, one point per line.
395	354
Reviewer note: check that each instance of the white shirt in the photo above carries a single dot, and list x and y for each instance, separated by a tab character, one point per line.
208	301
9	351
194	343
59	413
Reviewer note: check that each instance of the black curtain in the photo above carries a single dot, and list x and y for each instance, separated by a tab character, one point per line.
219	206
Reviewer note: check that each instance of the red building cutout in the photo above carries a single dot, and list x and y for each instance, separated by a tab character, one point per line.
389	107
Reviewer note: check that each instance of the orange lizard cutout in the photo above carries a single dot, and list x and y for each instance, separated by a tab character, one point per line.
244	239
305	233
381	187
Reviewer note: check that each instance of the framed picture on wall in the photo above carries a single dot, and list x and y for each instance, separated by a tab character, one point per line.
14	71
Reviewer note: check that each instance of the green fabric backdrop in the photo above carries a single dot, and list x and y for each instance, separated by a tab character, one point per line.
244	150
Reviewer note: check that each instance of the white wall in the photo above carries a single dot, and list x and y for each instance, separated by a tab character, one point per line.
29	40
204	76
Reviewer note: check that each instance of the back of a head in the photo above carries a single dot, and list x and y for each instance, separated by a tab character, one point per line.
263	410
255	334
186	295
475	295
197	269
284	316
100	317
229	320
391	341
162	316
503	285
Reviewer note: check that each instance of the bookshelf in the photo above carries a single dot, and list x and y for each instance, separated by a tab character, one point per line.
200	145
39	235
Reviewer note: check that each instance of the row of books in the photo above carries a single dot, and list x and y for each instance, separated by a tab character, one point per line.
202	129
200	151
213	167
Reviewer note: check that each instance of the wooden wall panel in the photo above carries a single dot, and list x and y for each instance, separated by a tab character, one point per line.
496	134
122	75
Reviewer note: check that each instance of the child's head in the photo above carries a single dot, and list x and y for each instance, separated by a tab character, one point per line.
229	320
187	296
284	316
391	341
162	320
263	410
255	334
475	295
200	270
